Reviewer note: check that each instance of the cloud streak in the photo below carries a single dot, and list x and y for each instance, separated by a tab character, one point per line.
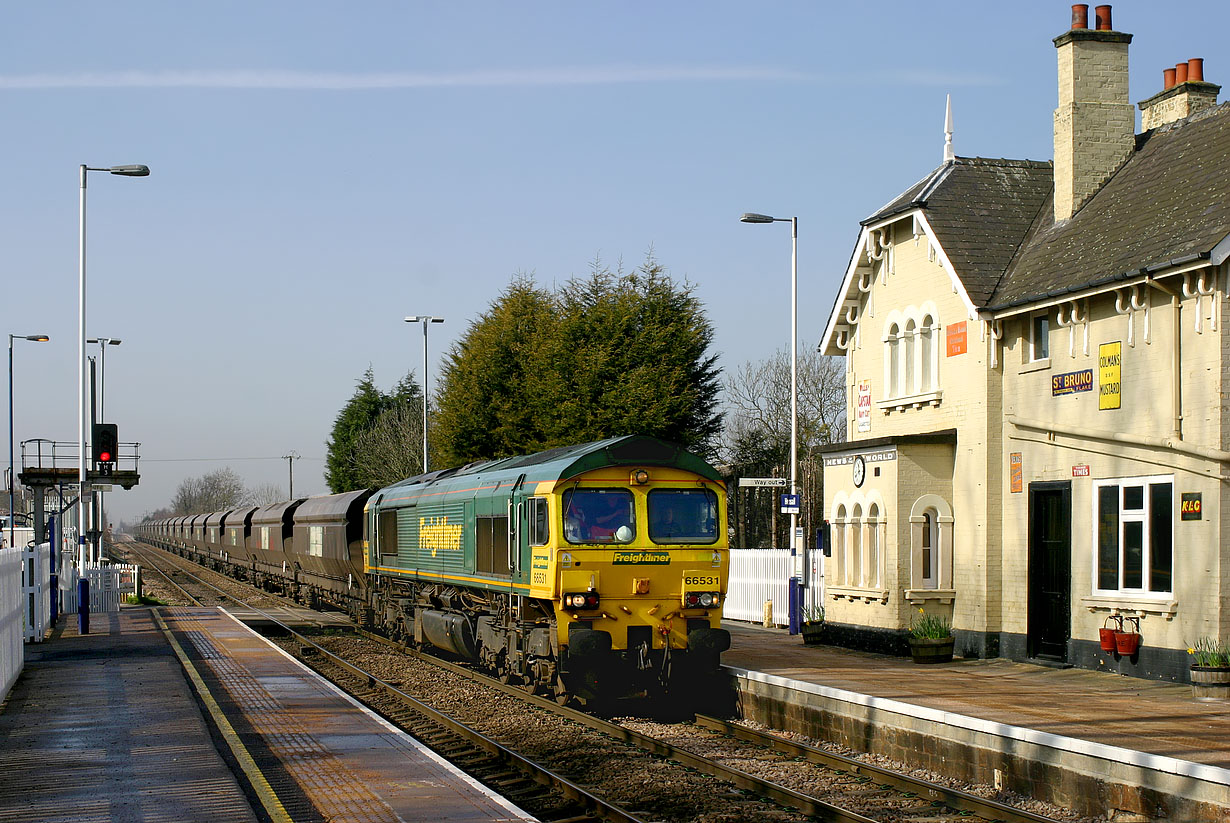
287	80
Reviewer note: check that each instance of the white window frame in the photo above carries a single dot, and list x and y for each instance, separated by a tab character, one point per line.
1143	516
265	538
908	381
316	541
1032	356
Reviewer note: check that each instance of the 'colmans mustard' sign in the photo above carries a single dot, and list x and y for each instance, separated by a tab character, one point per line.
1110	372
437	534
1072	382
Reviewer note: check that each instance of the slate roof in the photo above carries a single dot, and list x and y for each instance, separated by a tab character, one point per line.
981	211
1169	202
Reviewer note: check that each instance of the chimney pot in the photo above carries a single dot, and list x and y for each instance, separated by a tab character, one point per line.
1080	16
1102	14
1195	70
1167	79
1180	73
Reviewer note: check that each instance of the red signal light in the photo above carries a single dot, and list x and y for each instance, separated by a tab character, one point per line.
104	457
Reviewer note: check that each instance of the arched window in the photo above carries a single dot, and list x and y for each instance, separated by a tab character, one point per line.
892	360
930	542
839	547
854	564
926	345
909	370
871	561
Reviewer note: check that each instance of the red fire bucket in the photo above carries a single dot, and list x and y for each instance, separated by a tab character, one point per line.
1126	643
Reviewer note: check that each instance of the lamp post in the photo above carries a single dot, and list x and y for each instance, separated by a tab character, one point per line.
101	417
752	217
82	374
37	338
426	320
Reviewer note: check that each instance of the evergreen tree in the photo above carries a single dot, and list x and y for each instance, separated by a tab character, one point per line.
358	415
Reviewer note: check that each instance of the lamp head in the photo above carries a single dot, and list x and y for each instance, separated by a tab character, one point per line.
38	338
753	217
130	171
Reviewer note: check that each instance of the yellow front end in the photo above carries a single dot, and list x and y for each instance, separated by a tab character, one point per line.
652	585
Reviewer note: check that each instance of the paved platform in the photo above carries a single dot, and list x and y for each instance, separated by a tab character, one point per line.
192	716
1096	739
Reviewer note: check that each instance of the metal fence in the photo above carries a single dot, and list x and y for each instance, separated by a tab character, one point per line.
760	576
12	609
108	585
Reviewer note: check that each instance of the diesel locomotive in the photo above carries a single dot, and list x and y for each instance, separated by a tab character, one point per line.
597	570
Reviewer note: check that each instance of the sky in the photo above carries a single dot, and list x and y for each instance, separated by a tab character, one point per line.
320	170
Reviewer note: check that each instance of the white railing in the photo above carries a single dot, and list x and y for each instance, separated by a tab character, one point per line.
108	585
36	590
758	576
12	608
21	536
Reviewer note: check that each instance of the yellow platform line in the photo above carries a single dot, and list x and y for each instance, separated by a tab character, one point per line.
264	792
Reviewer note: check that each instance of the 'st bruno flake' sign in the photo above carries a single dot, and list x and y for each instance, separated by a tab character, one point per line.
1072	382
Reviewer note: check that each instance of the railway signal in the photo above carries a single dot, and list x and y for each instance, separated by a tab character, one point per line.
104	444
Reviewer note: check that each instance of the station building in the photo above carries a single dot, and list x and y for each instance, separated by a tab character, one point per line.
1038	438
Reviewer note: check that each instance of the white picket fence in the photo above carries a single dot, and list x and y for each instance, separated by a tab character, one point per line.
109	584
36	591
12	611
758	576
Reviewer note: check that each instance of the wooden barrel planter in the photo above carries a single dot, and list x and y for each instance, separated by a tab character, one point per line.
1210	682
931	649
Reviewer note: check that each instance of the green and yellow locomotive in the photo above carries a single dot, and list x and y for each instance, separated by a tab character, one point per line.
590	570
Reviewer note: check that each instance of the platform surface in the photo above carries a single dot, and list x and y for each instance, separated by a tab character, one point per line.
1145	716
106	727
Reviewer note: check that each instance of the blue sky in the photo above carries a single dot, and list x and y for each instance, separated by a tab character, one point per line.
321	170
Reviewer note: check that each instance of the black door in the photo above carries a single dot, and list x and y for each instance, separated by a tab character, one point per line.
1050	569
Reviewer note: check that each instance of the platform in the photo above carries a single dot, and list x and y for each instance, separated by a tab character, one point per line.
1094	742
193	716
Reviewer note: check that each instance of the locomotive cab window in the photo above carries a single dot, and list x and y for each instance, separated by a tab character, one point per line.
540	531
599	516
683	516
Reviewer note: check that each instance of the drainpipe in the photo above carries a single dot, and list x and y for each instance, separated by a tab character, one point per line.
1176	388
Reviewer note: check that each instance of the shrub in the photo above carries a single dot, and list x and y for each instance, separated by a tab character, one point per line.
930	626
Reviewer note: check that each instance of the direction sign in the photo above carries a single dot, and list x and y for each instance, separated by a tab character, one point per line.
764	482
790	504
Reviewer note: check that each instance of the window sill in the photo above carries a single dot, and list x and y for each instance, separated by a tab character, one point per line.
1131	606
1035	365
856	593
917	597
916	401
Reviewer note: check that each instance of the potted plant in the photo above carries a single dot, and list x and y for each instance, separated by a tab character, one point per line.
930	639
813	624
1211	669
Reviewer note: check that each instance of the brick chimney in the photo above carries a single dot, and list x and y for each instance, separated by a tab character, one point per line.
1179	98
1095	123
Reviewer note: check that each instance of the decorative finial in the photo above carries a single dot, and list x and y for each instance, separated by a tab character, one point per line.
949	156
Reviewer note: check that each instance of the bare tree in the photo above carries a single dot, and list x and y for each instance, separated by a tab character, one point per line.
392	448
756	439
218	490
265	494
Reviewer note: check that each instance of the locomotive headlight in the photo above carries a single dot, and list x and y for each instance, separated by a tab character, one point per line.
708	599
581	600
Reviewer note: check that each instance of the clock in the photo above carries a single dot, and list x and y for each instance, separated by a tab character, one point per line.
860	470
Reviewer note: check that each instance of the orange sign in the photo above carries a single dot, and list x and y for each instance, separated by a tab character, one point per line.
955	334
1015	473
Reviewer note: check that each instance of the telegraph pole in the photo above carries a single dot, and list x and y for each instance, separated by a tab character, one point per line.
290	466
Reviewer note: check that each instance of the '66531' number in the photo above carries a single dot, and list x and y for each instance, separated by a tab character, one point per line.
701	580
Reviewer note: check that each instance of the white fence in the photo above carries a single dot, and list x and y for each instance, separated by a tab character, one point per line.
760	575
12	609
108	585
36	590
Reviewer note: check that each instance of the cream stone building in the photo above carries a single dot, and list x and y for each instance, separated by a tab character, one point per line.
1038	440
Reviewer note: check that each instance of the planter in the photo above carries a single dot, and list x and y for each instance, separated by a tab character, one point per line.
1211	682
1126	643
931	649
812	632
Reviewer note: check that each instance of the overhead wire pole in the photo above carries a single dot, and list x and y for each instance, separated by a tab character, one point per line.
290	466
36	338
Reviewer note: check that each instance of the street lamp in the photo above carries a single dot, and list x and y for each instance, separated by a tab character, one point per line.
752	217
426	320
37	338
103	342
82	373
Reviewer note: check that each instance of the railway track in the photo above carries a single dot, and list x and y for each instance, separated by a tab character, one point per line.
806	782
